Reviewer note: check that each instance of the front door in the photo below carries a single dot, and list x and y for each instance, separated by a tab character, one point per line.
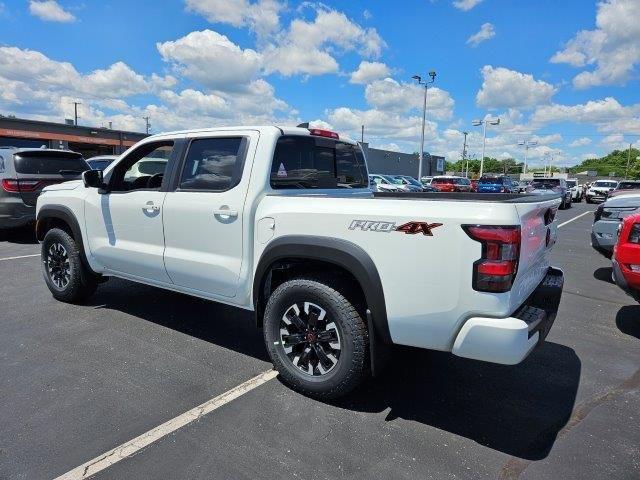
124	224
203	217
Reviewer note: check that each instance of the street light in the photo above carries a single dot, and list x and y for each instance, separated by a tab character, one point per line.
526	144
477	123
418	78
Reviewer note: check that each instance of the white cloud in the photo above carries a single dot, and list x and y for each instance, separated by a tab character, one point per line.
369	71
308	47
485	33
613	47
580	142
262	16
615	141
502	87
212	60
50	11
465	5
390	95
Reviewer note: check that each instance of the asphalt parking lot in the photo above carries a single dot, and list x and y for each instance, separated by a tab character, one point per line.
78	381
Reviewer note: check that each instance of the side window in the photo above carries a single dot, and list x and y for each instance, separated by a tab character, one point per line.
142	169
213	164
1	164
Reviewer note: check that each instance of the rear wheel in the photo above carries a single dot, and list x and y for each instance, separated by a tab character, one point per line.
316	338
67	278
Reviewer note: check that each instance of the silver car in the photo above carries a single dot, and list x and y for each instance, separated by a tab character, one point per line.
608	216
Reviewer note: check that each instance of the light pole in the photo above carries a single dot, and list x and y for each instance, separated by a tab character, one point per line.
526	144
418	78
477	123
464	152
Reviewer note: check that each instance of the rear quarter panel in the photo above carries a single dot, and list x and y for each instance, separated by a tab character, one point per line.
427	280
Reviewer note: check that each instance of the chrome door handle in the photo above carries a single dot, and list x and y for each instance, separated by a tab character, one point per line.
225	212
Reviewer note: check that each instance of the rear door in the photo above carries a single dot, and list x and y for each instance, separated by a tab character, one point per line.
38	168
204	213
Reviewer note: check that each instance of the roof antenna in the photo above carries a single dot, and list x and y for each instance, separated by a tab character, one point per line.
304	125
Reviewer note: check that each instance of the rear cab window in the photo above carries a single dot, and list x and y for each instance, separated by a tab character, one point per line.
490	181
49	163
301	162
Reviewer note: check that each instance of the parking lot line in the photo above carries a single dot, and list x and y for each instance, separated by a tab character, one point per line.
574	218
21	256
132	446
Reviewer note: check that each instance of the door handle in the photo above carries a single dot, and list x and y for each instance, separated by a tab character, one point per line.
225	212
150	207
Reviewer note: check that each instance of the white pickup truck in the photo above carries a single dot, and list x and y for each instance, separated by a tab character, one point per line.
281	221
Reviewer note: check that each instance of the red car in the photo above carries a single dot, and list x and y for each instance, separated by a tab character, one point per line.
451	184
626	257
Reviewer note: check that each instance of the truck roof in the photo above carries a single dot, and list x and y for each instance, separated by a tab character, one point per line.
273	129
33	149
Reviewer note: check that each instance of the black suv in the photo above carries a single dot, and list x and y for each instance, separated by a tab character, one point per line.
24	172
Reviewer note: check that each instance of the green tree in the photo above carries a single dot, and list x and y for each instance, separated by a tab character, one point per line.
614	162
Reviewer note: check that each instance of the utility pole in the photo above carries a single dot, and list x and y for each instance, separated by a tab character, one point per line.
464	154
146	119
418	78
75	111
362	135
626	172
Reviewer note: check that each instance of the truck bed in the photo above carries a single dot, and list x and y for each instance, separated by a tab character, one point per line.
468	197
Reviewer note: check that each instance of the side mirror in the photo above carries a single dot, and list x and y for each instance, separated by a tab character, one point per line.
93	178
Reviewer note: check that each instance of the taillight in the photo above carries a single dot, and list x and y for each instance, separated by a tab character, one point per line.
318	132
497	268
634	234
16	186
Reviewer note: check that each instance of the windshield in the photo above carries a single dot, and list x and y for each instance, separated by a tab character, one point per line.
629	185
394	180
50	163
571	183
490	181
547	183
605	184
411	180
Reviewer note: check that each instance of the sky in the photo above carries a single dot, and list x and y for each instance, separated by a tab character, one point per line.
563	76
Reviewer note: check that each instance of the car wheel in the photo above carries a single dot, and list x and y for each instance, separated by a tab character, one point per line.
67	278
316	338
588	200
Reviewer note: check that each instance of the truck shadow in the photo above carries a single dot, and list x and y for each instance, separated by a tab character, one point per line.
20	236
222	325
518	410
628	320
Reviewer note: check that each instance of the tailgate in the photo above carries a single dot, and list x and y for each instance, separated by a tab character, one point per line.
538	235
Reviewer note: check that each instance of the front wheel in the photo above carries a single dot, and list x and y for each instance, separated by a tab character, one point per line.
67	278
316	338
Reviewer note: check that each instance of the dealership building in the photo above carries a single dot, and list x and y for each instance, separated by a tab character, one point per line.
387	162
16	132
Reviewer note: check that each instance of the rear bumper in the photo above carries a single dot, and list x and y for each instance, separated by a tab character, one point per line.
509	340
14	213
633	289
604	236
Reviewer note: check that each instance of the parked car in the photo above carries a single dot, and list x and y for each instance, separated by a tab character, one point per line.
474	185
411	182
576	190
493	184
380	183
626	256
608	217
543	186
426	180
24	172
301	241
450	183
524	186
101	162
599	190
625	187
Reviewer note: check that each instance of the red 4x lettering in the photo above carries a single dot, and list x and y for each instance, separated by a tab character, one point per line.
413	228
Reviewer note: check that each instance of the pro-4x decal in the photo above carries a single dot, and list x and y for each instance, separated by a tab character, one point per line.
410	228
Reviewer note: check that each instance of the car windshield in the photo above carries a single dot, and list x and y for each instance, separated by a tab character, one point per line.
410	180
462	181
50	162
629	186
605	184
546	184
394	180
490	181
571	183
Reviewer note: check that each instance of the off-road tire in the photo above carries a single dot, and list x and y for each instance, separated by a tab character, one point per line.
352	367
81	283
